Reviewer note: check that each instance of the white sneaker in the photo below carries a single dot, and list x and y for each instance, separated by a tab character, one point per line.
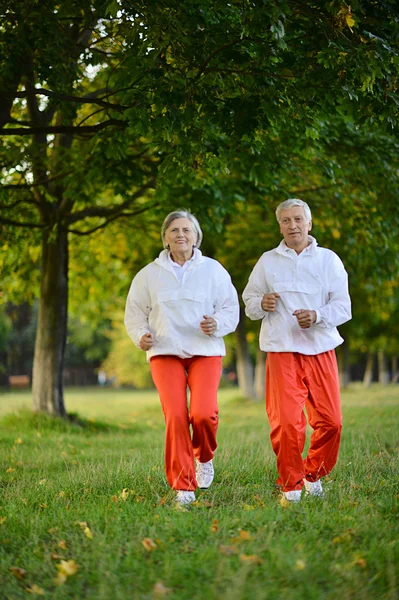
314	488
293	496
204	473
184	497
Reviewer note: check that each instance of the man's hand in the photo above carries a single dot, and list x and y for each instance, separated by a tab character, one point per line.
146	341
268	302
208	325
305	318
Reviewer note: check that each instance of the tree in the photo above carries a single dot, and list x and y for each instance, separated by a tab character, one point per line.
99	103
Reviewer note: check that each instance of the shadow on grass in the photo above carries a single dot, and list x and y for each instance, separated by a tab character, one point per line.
25	420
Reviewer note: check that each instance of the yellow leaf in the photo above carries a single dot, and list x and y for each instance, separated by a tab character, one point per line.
18	441
62	544
300	565
60	579
88	533
81	524
35	589
10	470
148	544
124	494
3	520
55	556
245	535
214	526
67	567
349	20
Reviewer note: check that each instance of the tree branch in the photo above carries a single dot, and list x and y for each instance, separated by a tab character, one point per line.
113	218
63	128
57	96
105	212
21	223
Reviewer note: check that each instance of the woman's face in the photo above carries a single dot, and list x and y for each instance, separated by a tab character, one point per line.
180	236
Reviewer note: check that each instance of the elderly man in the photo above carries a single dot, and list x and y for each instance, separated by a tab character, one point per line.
300	291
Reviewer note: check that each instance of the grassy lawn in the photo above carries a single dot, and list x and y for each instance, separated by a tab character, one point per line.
85	511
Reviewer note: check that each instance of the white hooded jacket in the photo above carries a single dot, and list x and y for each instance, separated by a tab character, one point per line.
171	311
316	280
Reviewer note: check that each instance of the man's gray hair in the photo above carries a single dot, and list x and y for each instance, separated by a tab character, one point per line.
181	214
287	204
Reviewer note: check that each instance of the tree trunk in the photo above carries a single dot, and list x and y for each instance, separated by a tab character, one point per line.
245	370
47	385
395	369
383	375
368	373
343	363
260	374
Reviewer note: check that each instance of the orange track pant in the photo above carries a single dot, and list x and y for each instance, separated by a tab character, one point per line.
171	375
294	381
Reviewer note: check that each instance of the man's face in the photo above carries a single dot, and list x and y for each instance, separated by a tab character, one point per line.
295	228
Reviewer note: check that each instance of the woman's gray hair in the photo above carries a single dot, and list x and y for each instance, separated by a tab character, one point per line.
181	214
287	204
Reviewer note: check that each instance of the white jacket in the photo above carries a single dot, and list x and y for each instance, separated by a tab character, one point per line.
171	311
316	280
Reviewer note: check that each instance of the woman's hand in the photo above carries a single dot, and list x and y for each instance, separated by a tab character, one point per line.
208	325
146	341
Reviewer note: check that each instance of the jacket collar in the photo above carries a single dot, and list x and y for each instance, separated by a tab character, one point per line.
282	248
163	259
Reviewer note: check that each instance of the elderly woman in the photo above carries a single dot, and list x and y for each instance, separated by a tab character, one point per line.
178	309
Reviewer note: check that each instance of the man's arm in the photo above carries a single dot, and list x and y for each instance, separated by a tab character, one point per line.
338	308
258	298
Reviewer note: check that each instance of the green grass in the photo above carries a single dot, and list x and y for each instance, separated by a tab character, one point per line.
236	543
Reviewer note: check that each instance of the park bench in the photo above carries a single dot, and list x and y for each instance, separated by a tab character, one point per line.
20	381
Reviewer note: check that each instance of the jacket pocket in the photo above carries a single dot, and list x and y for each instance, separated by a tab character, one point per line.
178	295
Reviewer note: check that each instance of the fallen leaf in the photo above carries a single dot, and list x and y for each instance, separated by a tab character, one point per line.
60	579
35	589
245	535
18	441
361	562
148	544
55	556
300	565
124	494
228	550
18	572
62	544
214	526
251	559
67	567
88	533
160	590
10	470
3	520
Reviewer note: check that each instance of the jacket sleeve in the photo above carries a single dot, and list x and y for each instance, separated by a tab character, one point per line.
338	308
138	308
253	293
227	309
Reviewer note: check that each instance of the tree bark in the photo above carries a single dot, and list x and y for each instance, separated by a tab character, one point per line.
383	375
395	369
368	373
245	369
260	374
343	363
47	385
